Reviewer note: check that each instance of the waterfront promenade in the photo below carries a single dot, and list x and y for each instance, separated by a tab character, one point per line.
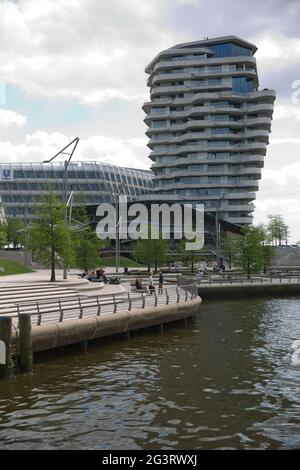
36	315
220	288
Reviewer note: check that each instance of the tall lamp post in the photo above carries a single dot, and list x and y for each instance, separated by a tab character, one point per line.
70	153
217	227
118	249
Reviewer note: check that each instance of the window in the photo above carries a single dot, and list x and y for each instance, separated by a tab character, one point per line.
242	85
219	117
220	130
229	50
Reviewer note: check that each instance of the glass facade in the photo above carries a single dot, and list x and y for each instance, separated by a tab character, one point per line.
230	49
22	184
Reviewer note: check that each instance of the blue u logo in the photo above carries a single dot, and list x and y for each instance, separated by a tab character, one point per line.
6	173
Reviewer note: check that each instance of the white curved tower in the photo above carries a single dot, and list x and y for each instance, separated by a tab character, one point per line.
208	125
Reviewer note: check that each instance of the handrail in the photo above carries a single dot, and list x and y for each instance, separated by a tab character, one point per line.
80	304
244	280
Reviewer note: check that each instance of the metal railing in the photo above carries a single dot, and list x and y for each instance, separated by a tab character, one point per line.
209	280
78	307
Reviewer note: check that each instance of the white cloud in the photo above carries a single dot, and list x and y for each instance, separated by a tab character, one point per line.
41	146
88	51
10	118
276	51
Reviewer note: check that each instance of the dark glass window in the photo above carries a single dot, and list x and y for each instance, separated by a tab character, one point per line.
242	85
229	50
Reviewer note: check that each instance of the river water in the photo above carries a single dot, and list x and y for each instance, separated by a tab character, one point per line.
225	381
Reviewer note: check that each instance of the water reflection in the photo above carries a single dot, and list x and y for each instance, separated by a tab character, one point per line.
224	381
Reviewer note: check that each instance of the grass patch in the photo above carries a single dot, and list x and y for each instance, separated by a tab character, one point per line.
12	267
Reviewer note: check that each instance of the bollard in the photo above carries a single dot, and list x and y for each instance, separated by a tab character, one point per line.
5	346
25	343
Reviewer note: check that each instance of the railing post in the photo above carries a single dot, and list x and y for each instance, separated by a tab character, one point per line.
80	309
167	297
98	307
129	302
115	304
186	295
155	299
178	295
61	312
25	343
5	346
39	320
144	300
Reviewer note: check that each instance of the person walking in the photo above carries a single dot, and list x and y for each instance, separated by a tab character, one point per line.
151	283
160	283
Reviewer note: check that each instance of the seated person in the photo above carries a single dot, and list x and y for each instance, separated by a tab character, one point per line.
92	276
101	275
139	283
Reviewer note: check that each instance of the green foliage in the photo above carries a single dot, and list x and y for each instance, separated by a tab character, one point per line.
248	253
189	257
12	267
3	235
49	236
15	232
277	229
267	248
252	252
86	244
227	244
151	252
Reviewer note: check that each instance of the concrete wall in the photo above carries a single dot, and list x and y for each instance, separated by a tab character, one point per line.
246	291
287	257
54	335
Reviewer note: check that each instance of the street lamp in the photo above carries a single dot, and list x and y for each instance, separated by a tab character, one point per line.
217	226
117	202
73	146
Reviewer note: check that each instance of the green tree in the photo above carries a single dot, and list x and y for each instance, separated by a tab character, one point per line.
267	249
277	229
248	251
3	234
49	236
86	244
188	256
151	251
227	244
15	232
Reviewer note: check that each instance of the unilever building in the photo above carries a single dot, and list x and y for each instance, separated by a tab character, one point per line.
208	125
22	184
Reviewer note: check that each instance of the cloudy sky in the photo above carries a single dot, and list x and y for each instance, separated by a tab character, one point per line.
76	68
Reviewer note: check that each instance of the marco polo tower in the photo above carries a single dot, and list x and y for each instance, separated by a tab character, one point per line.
208	125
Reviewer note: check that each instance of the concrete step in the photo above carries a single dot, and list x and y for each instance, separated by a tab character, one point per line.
28	293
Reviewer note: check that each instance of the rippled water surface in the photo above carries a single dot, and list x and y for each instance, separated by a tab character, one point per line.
223	381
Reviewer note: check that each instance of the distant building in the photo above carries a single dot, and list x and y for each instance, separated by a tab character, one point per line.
22	184
208	125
